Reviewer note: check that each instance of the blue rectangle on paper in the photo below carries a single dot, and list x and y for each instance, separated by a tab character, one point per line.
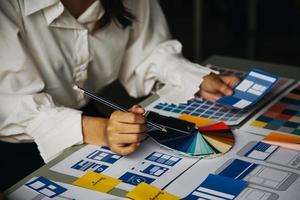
104	156
218	187
163	158
262	147
43	186
135	179
238	169
84	165
155	170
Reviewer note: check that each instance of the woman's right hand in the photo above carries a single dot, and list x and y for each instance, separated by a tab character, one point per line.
126	130
122	132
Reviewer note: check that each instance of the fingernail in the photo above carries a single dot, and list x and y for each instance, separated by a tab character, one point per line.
228	92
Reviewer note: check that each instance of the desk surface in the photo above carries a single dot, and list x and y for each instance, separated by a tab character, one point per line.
234	63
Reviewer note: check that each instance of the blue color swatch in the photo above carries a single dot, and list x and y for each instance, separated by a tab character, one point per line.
135	179
238	169
217	187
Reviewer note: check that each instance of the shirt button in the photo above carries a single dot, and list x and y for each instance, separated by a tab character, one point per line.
82	67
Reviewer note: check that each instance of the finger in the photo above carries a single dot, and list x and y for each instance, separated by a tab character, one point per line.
129	128
212	83
137	109
221	87
128	117
230	80
127	138
125	149
212	97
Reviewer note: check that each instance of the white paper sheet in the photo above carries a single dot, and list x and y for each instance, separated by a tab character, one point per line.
192	178
73	192
150	163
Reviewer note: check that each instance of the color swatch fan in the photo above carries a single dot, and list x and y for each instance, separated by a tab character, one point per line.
206	142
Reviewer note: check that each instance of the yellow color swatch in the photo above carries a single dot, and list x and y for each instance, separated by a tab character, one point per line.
98	182
258	124
199	121
218	144
146	191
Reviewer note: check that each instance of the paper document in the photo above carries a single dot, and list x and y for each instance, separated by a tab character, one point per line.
285	183
150	164
43	188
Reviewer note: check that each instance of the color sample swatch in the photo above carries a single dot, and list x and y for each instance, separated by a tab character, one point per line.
146	191
283	140
200	108
281	116
254	86
218	187
208	141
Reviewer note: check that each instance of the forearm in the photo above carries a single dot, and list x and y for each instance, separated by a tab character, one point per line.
94	130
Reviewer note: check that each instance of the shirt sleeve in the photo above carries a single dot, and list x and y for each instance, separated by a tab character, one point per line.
26	112
153	56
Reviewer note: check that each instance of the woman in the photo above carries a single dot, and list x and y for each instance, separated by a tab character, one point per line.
48	46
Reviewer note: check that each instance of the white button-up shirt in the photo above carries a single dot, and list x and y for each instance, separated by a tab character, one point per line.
44	51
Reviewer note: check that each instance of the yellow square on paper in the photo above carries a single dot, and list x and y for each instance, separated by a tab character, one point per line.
146	191
98	182
258	124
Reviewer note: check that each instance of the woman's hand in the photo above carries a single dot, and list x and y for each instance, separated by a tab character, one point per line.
122	132
215	86
126	130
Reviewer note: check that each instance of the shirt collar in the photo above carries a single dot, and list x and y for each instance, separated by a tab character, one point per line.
32	6
91	15
54	9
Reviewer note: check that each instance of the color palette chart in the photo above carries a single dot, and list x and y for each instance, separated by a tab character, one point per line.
253	87
283	115
208	141
216	111
201	108
218	188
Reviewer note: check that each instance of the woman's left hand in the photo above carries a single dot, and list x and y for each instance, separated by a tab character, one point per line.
215	86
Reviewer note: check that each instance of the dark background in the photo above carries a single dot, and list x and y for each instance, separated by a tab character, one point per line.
265	30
